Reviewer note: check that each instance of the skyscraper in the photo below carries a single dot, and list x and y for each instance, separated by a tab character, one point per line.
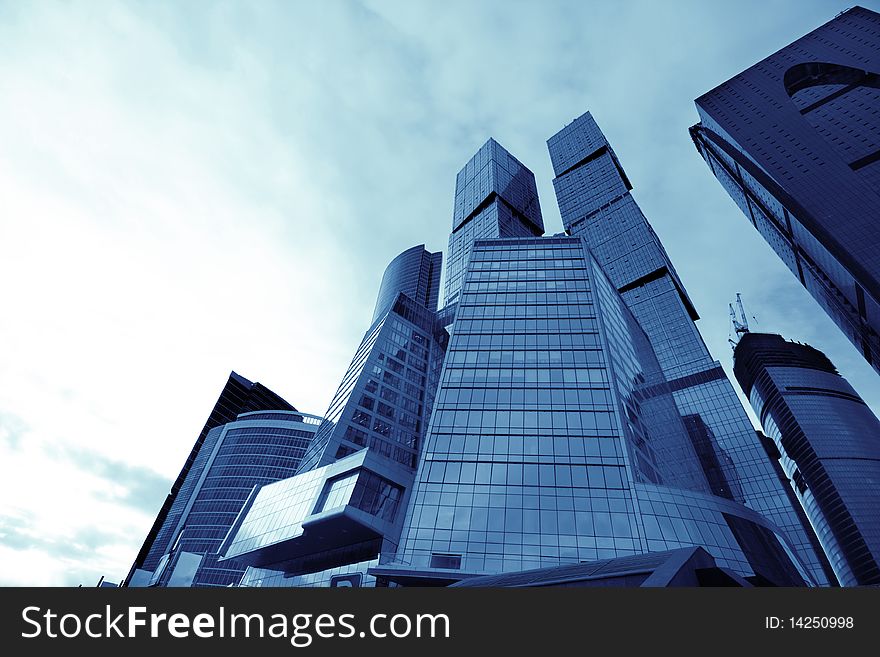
555	438
555	435
595	202
238	396
828	443
495	196
795	141
385	397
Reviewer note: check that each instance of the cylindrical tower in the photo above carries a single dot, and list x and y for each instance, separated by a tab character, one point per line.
829	445
258	448
416	273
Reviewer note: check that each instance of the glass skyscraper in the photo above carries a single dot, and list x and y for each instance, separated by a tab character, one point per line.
595	202
828	443
795	141
495	196
555	438
238	396
571	412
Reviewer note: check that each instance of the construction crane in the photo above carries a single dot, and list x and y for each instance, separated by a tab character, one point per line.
740	324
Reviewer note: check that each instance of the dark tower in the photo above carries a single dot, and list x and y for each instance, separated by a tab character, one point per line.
795	141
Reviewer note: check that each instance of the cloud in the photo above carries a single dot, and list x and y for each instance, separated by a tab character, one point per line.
138	487
12	428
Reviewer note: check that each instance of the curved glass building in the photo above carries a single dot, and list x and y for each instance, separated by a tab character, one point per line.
258	448
239	395
828	443
416	273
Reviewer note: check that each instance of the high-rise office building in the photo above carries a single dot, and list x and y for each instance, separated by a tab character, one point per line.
827	442
795	141
258	448
596	204
238	396
385	398
555	437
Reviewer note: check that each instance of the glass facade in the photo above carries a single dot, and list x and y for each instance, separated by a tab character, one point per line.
795	141
594	198
385	398
828	443
321	520
555	438
351	575
416	273
495	196
238	396
258	448
380	409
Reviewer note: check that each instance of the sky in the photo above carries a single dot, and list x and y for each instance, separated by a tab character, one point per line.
190	188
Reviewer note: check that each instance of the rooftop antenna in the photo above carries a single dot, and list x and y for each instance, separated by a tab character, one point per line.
740	323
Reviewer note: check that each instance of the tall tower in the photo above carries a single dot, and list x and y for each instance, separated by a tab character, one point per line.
828	443
795	141
365	451
385	398
495	196
555	438
595	202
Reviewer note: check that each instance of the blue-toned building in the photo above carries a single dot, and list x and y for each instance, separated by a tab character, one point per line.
386	395
551	433
827	441
555	437
239	395
258	448
416	273
795	141
596	203
495	196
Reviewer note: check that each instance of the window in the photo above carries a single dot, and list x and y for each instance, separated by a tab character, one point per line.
376	495
336	492
448	561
